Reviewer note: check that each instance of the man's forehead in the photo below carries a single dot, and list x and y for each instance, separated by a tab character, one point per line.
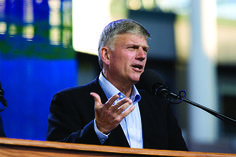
131	38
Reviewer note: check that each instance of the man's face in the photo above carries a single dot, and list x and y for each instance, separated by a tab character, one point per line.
127	58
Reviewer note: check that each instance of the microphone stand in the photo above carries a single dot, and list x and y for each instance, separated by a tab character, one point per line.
169	97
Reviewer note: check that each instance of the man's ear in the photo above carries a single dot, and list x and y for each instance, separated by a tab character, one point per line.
105	55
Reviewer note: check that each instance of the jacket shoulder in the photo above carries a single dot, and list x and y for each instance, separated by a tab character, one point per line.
80	89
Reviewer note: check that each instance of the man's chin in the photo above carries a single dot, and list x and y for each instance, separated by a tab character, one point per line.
136	80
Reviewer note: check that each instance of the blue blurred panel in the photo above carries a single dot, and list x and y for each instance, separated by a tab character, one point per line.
29	85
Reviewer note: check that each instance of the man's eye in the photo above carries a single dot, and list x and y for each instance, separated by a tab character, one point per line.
133	47
145	49
130	48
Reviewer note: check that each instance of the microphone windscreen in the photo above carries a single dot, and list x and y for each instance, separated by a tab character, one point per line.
149	80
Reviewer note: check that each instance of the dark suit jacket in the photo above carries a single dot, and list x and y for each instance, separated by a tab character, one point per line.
72	113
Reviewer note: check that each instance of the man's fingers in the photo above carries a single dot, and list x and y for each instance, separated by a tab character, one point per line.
122	104
119	108
97	100
128	111
110	102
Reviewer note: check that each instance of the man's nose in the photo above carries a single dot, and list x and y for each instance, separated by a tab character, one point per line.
141	54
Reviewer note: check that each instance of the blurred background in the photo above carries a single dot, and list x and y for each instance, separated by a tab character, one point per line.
49	45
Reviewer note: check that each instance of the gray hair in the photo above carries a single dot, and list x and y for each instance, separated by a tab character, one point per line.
119	27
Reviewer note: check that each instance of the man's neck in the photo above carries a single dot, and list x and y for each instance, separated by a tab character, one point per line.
124	88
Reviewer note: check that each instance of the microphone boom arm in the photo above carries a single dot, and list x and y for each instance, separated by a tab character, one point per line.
154	83
181	98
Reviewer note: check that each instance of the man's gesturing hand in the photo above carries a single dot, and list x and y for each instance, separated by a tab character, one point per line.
109	116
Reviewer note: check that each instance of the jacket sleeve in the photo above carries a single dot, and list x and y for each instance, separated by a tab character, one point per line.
70	120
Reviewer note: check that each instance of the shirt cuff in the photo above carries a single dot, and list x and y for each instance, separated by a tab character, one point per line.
102	137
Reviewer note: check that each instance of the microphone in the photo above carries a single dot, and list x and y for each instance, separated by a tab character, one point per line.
153	83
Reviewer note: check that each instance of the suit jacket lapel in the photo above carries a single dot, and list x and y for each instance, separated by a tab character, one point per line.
117	137
142	112
147	120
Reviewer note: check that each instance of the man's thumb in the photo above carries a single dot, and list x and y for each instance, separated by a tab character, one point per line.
97	99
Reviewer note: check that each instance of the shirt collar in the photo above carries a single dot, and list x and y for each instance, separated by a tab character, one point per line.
111	90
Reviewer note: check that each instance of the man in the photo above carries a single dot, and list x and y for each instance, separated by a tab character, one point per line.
110	110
